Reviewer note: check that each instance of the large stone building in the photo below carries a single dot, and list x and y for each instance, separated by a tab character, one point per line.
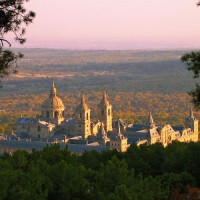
150	133
119	142
52	125
52	120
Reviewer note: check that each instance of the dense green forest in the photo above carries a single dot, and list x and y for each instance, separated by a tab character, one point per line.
145	172
136	81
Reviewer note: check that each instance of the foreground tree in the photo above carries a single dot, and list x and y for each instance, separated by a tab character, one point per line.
13	19
193	62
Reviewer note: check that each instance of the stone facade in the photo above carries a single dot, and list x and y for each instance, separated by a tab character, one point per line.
119	142
53	108
82	119
105	112
150	133
52	121
52	124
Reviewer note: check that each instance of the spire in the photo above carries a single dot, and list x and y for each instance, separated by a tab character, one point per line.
104	93
119	129
82	105
150	123
191	114
104	101
102	133
119	135
82	97
53	83
53	89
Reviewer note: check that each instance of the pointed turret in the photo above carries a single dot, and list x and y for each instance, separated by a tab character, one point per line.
191	114
119	135
102	134
104	101
150	123
82	105
119	129
105	112
53	89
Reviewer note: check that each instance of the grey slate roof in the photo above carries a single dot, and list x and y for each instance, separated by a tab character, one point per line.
26	120
69	122
75	148
178	128
136	127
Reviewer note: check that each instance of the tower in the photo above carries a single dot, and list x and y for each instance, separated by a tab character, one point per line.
150	123
102	136
192	122
119	142
82	119
105	112
53	108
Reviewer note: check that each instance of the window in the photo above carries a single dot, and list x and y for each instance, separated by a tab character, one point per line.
79	126
63	113
56	114
87	116
47	114
102	112
108	112
79	116
39	128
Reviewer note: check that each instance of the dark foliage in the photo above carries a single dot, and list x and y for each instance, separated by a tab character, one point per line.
13	18
145	172
193	62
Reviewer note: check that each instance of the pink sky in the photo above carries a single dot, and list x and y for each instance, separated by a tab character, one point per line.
114	24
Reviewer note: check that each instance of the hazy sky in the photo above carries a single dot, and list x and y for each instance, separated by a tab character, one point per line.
114	24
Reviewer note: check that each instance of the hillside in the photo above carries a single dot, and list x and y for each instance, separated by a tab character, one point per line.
130	71
136	81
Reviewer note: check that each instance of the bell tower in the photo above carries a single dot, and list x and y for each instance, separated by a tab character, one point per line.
105	112
192	122
82	119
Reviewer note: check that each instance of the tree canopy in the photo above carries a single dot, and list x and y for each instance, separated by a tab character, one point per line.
13	19
192	60
146	172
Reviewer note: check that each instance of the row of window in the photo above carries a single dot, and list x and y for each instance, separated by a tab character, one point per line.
55	114
87	116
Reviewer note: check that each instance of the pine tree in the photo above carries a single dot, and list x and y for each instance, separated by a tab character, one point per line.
13	18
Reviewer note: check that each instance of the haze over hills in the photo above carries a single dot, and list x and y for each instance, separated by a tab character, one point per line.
134	71
136	81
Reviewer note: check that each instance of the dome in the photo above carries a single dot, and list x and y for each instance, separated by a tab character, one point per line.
53	103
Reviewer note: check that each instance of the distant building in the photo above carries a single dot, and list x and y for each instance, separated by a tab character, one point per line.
52	120
119	142
84	134
151	134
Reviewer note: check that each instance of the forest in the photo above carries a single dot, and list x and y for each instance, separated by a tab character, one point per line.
146	172
136	82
